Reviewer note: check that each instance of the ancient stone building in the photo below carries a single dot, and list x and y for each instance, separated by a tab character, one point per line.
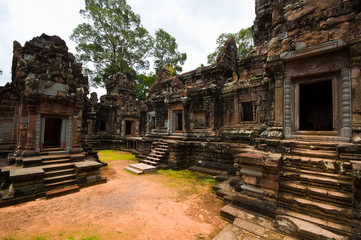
41	123
282	125
118	120
45	98
285	120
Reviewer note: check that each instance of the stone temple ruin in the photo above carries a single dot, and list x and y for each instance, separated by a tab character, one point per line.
281	127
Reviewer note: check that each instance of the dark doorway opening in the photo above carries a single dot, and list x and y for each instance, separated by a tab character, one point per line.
316	108
178	121
128	127
247	114
52	132
103	126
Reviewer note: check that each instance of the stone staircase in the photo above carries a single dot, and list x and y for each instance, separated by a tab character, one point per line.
315	191
153	161
59	168
314	194
49	174
157	154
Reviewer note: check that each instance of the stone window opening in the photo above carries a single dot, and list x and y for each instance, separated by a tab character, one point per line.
316	106
247	113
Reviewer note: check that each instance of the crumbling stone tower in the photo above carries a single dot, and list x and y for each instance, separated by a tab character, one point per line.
51	92
119	119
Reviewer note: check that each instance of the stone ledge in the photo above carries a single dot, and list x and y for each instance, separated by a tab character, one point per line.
313	50
86	166
26	173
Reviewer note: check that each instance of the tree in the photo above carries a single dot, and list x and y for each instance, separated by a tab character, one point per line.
142	85
166	51
243	40
113	40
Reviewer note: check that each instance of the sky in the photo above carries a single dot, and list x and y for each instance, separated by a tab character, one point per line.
195	24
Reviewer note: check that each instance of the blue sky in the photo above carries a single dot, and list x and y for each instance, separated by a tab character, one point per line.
195	24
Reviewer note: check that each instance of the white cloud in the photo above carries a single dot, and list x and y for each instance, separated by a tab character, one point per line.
195	24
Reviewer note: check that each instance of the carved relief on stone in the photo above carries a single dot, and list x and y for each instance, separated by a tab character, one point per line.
318	64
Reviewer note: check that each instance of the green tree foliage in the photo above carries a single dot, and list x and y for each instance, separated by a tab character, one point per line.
166	51
142	84
112	40
243	40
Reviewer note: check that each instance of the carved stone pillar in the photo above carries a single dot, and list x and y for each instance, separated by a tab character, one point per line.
346	131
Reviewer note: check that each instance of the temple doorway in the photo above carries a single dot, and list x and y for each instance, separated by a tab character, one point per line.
316	106
178	121
129	128
52	132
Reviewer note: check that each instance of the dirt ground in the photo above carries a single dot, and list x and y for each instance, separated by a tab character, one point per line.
126	207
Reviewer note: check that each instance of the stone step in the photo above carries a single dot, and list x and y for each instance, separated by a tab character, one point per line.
314	153
162	150
133	170
153	159
56	161
58	166
337	228
62	191
52	152
143	167
318	173
59	172
61	178
60	184
54	157
327	211
29	162
320	164
224	191
316	180
230	232
149	162
304	229
77	157
251	222
156	154
318	193
315	145
224	184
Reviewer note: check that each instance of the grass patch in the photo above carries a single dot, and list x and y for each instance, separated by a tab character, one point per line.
187	182
200	178
113	155
76	236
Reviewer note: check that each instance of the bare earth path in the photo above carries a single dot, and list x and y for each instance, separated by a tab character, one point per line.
126	207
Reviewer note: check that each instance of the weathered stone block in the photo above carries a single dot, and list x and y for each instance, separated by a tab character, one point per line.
23	174
270	175
269	184
250	180
91	179
26	190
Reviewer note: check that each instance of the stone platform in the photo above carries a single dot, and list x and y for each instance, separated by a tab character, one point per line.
140	168
48	175
249	225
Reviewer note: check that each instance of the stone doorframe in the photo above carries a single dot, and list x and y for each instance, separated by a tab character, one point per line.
65	136
342	89
173	110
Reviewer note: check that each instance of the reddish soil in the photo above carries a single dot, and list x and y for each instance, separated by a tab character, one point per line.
126	207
